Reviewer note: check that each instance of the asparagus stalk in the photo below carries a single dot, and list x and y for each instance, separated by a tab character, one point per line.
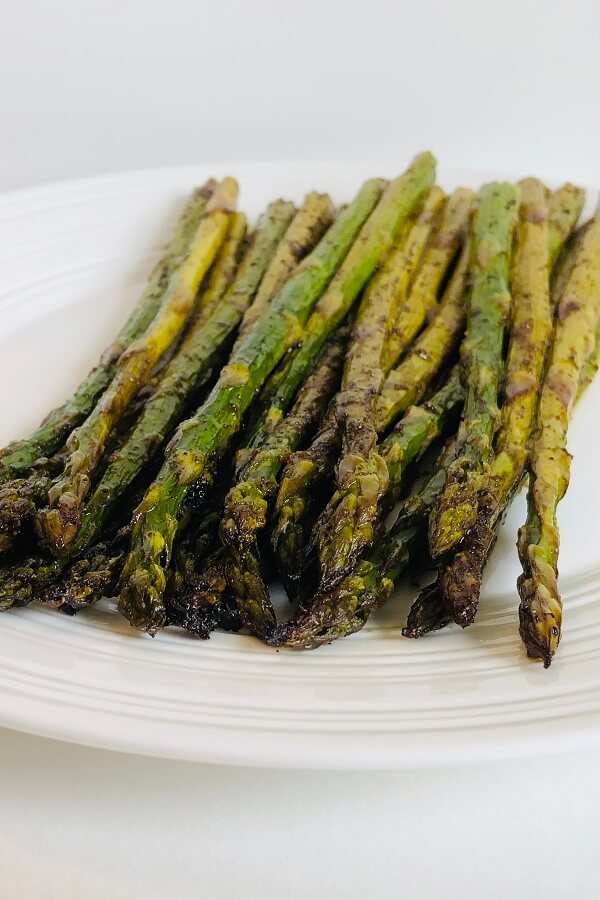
402	265
18	457
412	314
308	469
223	270
564	208
362	475
407	383
87	579
401	197
487	316
306	229
205	436
588	372
429	611
458	586
247	503
205	603
346	608
304	478
20	499
540	611
59	523
416	432
183	376
346	527
460	578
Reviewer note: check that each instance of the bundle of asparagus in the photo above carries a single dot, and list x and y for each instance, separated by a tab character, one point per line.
327	401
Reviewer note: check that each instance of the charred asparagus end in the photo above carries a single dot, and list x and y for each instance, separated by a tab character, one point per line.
426	614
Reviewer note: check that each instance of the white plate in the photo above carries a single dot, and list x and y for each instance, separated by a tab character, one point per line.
72	262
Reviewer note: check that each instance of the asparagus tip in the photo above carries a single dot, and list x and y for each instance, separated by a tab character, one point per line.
141	603
540	615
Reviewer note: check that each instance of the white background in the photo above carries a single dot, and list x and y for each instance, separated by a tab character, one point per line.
94	87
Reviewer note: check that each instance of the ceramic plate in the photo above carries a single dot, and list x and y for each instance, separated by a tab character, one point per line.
73	258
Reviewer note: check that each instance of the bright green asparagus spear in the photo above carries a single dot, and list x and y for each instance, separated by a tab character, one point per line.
487	316
20	499
196	359
540	612
203	438
17	458
392	285
401	197
247	503
59	523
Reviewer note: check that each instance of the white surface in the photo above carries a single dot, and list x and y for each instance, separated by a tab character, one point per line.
87	825
70	253
91	87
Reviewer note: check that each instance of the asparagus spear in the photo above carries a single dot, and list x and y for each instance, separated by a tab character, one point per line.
487	314
564	208
306	229
302	483
407	383
345	609
346	527
361	475
89	578
308	469
403	264
427	613
247	503
195	360
401	197
460	578
205	603
21	498
415	433
59	523
223	270
588	372
207	434
540	612
412	314
18	457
